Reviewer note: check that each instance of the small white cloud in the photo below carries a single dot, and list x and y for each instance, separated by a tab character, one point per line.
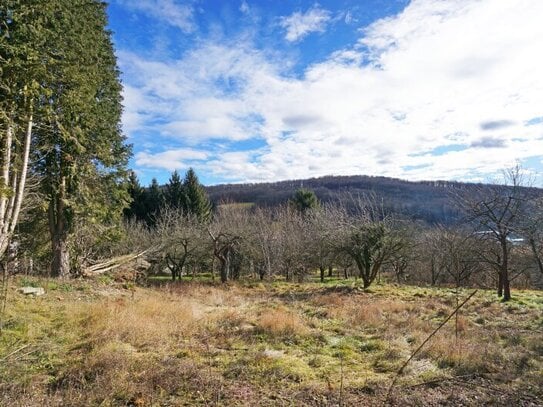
244	7
171	159
349	18
299	24
172	12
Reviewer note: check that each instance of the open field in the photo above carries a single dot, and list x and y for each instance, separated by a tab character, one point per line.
271	344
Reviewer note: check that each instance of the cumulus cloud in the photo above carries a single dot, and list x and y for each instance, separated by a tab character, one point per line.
424	80
173	12
171	159
299	24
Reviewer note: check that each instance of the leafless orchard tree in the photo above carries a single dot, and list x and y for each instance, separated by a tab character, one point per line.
293	247
498	211
459	257
263	242
532	231
321	224
228	231
183	240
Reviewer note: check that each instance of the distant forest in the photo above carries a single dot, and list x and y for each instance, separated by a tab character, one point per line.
430	201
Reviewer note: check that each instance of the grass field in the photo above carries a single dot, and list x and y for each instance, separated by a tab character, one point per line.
271	344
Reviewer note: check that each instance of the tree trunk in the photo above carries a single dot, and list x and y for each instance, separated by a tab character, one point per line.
60	266
500	283
536	255
10	208
503	280
506	289
330	271
321	268
225	267
58	228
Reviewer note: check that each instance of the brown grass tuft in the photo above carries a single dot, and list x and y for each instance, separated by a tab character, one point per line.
143	323
281	322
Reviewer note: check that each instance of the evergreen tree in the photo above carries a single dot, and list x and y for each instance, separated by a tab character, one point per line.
304	200
154	201
81	154
197	201
174	195
137	209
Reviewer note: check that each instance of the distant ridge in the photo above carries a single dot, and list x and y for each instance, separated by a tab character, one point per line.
430	201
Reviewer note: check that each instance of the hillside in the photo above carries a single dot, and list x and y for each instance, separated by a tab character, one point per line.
430	201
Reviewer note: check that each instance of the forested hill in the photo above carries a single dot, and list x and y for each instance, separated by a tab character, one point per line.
431	201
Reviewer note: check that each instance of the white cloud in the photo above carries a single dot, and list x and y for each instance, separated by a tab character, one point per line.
438	74
299	24
244	7
172	12
171	159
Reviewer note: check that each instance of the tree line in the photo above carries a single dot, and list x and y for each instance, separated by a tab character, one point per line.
63	175
497	244
186	195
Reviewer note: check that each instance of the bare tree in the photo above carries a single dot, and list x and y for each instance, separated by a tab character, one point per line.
498	211
532	231
182	239
459	258
293	249
263	242
320	229
228	230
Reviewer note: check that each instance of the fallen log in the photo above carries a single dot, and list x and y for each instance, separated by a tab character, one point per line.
112	264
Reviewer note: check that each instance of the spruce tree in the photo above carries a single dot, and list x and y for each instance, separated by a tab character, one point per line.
304	200
174	195
197	201
154	201
137	209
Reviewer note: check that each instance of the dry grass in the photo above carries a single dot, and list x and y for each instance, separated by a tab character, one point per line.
364	311
463	355
143	323
281	322
202	344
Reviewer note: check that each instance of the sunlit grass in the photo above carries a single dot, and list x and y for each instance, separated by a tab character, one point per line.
256	343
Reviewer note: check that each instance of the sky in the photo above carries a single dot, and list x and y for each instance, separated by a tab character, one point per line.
269	90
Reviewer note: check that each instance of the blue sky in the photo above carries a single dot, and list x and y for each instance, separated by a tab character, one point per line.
253	91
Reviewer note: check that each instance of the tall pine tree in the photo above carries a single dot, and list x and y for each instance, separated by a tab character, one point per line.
174	194
137	209
154	201
197	202
81	154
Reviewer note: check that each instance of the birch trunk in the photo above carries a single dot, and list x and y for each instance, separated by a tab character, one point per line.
14	181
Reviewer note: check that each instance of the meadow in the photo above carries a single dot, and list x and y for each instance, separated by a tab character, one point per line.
105	343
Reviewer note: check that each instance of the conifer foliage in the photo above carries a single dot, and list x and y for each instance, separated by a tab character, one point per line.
64	81
186	196
196	200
